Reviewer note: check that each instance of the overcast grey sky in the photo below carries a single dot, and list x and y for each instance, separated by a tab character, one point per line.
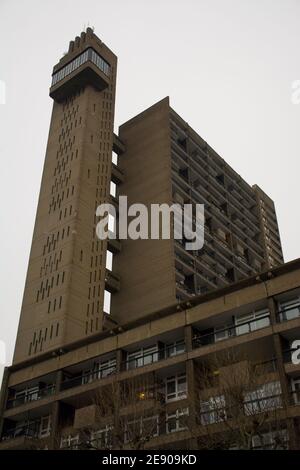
227	65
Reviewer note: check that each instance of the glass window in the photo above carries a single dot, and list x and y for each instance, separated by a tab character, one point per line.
69	442
99	370
272	440
175	348
142	357
252	321
45	426
89	54
28	394
223	332
176	387
143	426
289	309
177	421
295	382
264	398
213	410
102	438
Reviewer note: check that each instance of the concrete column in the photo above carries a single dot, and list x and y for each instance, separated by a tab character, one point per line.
55	414
273	310
192	402
120	360
55	417
188	338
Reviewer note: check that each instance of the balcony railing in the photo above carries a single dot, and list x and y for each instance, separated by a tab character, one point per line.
218	411
31	430
230	331
155	356
31	396
88	377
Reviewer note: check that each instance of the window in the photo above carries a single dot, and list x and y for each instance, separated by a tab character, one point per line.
276	440
289	309
107	301
252	321
45	426
109	260
224	332
295	383
176	387
266	397
114	158
88	54
142	357
213	410
175	348
99	370
113	189
144	426
69	442
102	438
177	421
28	394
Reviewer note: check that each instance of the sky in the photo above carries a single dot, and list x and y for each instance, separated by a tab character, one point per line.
229	67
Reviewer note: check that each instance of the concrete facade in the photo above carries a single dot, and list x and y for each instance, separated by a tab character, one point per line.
60	382
171	309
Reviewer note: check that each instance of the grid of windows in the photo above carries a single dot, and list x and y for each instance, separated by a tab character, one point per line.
266	397
88	54
100	370
142	357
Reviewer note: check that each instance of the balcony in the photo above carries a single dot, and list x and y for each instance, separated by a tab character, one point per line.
112	282
114	245
88	377
117	174
29	397
230	331
118	146
157	355
23	436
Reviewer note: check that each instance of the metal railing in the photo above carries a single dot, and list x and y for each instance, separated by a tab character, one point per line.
155	356
30	429
221	412
88	377
230	331
31	396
